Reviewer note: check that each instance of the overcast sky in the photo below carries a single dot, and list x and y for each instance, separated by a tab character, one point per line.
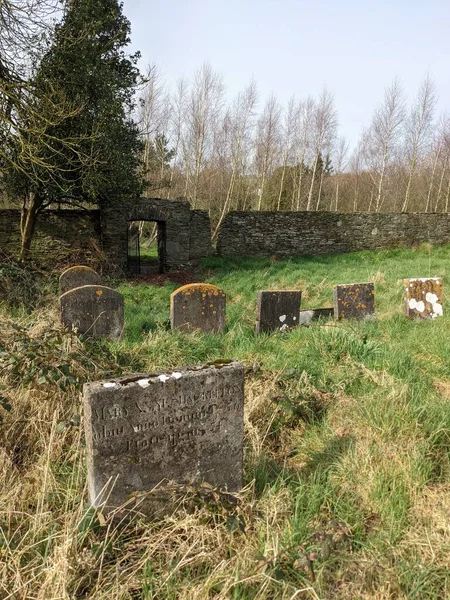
353	47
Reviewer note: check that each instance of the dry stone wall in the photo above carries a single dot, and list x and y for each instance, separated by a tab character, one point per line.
56	230
315	233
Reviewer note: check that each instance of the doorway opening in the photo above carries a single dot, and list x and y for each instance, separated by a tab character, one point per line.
146	247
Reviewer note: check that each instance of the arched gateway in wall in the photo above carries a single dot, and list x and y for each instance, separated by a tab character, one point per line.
184	235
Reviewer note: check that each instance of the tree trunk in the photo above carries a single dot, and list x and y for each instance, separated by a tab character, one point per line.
29	223
311	187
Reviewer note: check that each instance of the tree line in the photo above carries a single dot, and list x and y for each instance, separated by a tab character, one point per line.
247	155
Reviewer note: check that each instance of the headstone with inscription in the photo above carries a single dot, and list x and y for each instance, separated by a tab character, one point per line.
423	297
277	310
77	276
147	433
95	311
354	301
198	307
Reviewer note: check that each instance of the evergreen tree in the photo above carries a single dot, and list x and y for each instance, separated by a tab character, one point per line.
94	153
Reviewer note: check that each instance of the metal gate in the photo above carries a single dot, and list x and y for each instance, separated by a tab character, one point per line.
134	250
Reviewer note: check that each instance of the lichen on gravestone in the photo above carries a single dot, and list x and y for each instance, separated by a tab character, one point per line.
423	297
96	311
77	276
198	307
148	433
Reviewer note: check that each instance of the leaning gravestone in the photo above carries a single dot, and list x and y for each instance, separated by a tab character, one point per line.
354	301
148	434
76	277
198	307
95	311
423	297
277	310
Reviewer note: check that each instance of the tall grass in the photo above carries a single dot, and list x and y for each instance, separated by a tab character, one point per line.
347	438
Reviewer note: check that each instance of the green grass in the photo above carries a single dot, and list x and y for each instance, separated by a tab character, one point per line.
347	449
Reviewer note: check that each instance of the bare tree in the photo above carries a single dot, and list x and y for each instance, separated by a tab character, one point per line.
267	143
340	163
153	115
288	135
239	122
202	116
176	123
382	138
324	133
418	130
302	145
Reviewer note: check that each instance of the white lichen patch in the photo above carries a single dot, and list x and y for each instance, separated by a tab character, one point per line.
437	309
420	306
412	303
144	383
284	327
109	384
282	318
163	377
431	298
177	375
294	318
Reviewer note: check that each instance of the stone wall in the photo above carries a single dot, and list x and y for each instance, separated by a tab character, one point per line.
314	233
57	231
199	235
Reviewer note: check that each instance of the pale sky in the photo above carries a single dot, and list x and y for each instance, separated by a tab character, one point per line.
353	47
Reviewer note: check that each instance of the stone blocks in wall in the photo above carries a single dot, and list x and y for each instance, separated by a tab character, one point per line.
281	234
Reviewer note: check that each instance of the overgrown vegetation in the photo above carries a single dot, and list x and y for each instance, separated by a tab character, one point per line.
346	448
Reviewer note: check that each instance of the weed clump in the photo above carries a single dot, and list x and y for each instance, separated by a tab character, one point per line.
19	286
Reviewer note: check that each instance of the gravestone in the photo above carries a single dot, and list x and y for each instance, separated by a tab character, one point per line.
354	301
423	297
198	307
148	434
277	310
76	277
95	311
315	314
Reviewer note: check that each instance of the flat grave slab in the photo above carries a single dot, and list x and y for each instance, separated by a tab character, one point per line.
277	310
315	314
353	301
76	277
198	307
147	433
96	311
423	297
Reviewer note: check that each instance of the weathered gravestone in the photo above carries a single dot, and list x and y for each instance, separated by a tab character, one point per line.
95	311
315	314
198	307
423	297
354	301
149	434
76	277
277	310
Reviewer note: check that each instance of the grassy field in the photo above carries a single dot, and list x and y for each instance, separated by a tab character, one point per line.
347	439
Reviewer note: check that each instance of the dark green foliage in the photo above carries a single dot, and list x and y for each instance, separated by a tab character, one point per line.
86	57
86	147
